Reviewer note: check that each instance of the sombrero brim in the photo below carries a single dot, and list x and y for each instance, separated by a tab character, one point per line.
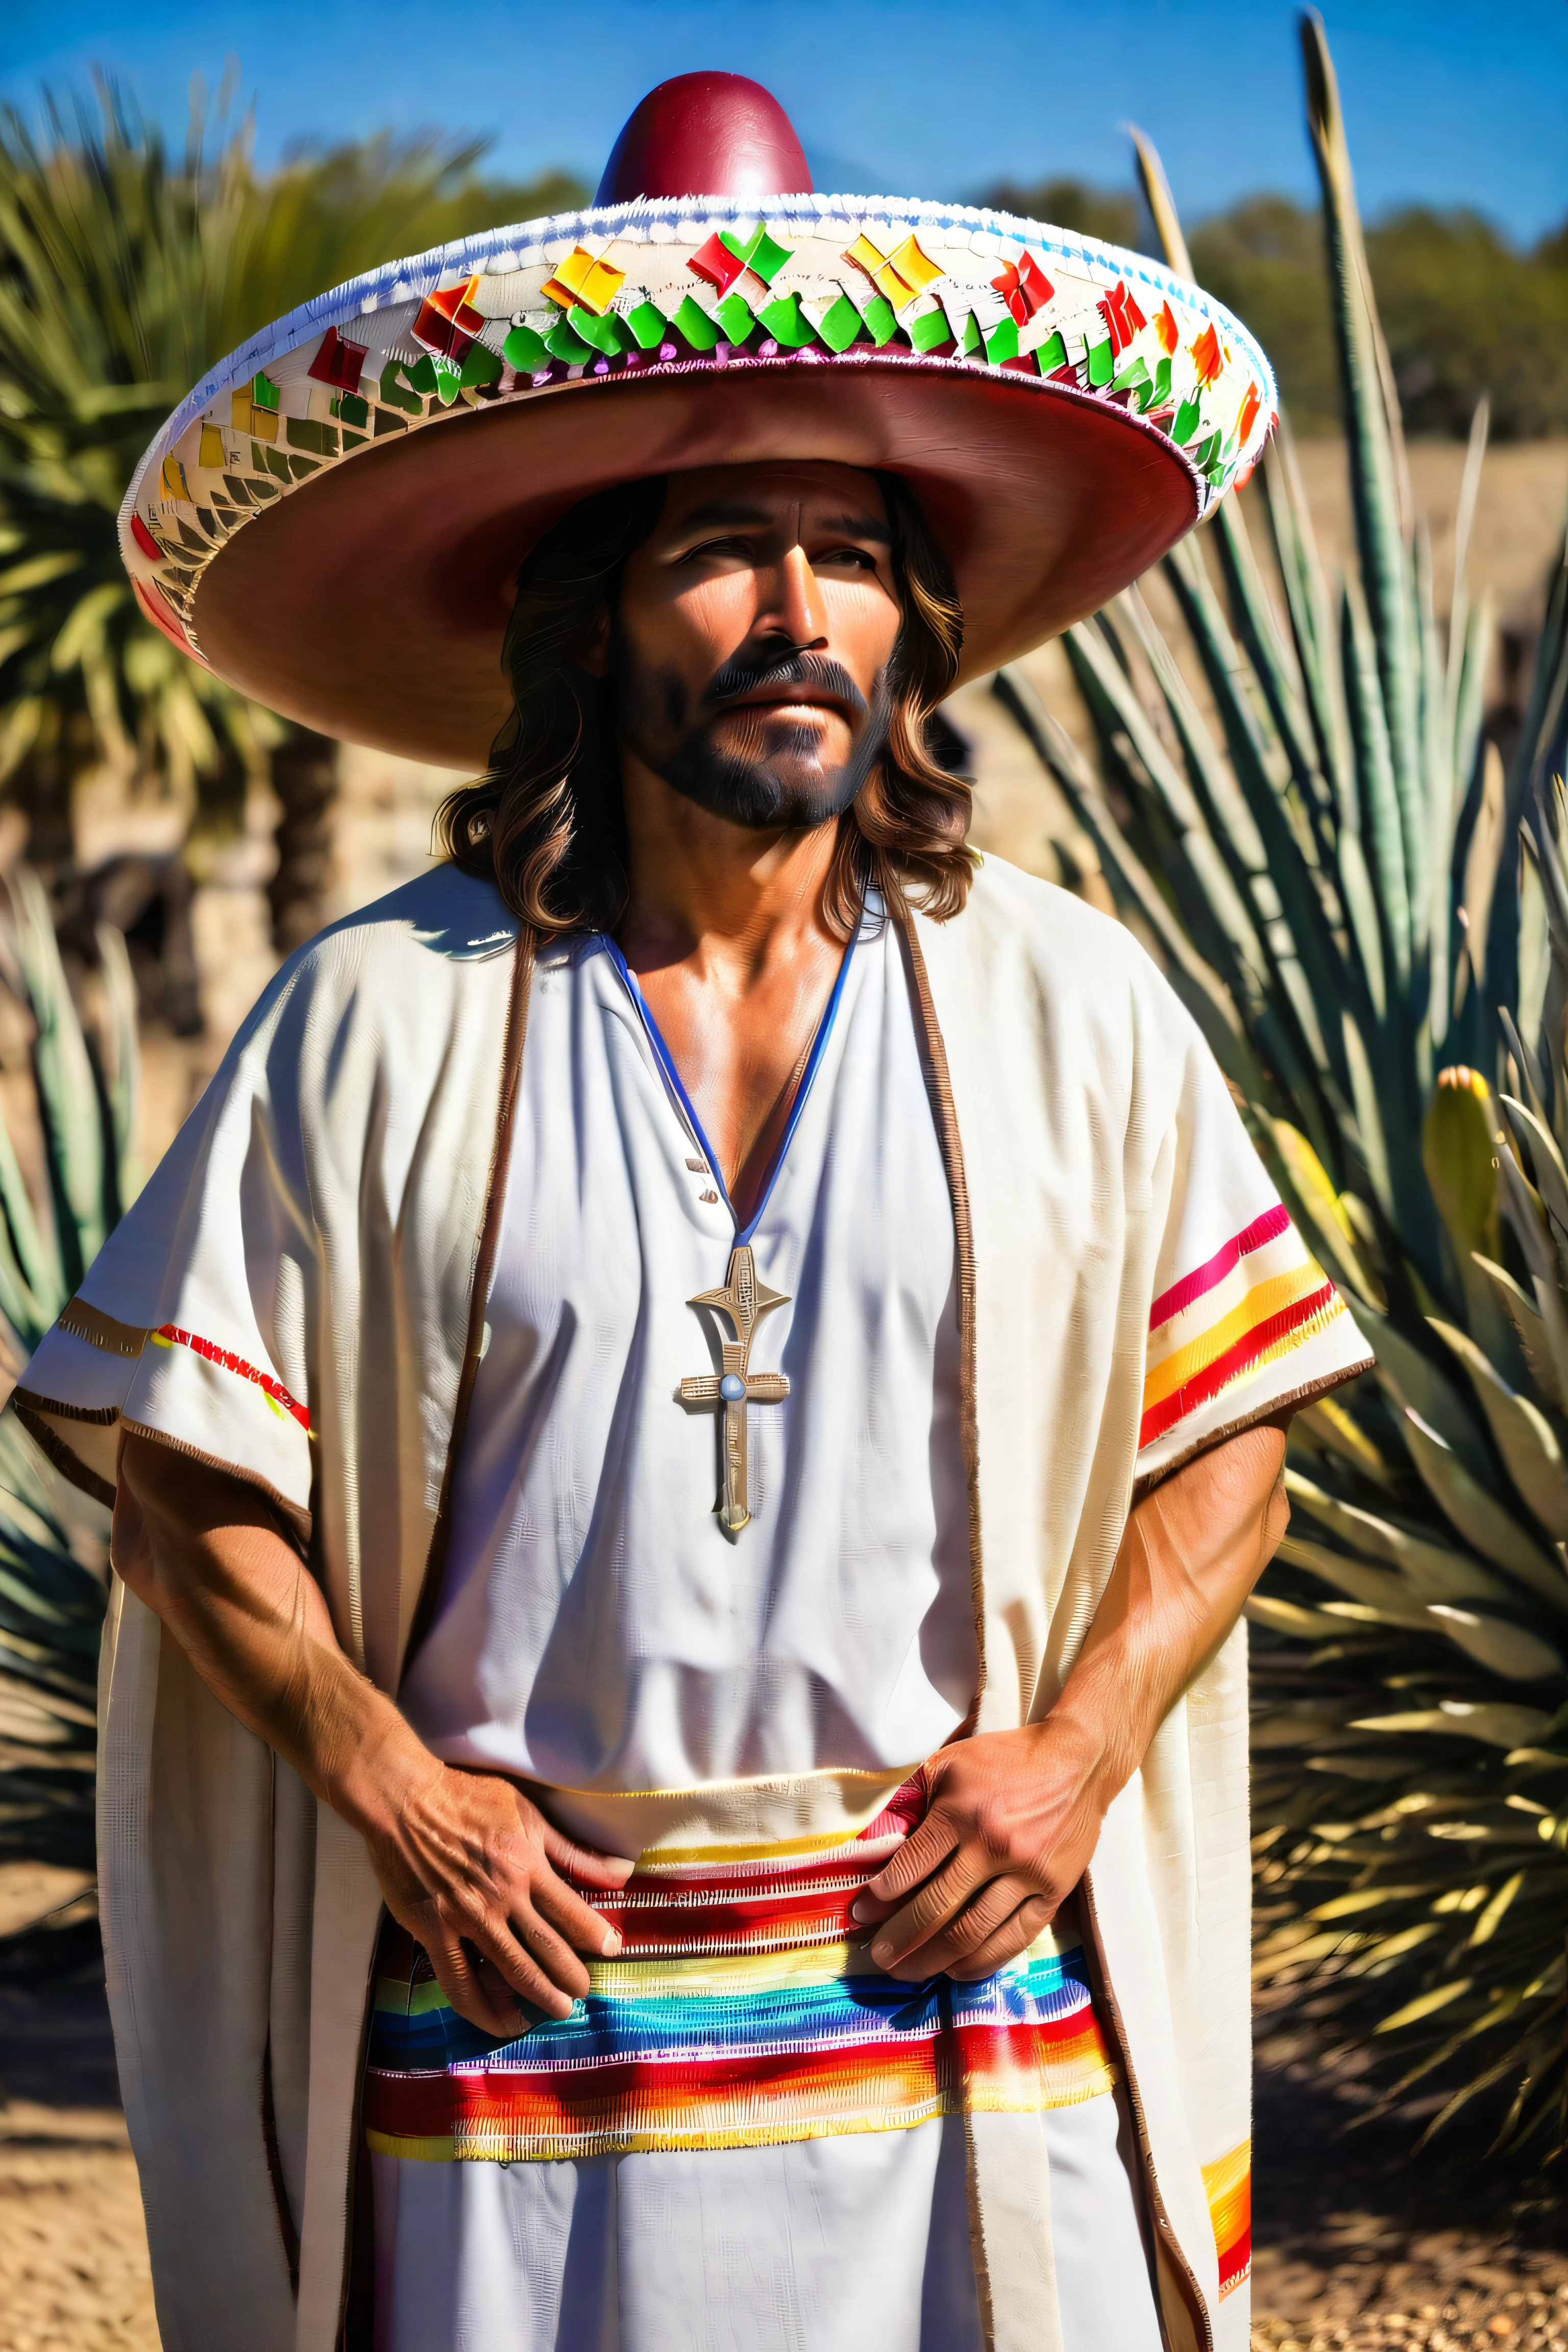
1064	411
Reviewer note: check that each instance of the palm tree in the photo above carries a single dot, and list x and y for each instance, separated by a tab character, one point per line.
123	274
1333	878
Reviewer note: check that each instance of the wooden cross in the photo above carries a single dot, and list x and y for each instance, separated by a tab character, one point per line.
745	1301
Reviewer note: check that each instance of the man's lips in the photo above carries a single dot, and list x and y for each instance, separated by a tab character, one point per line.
787	697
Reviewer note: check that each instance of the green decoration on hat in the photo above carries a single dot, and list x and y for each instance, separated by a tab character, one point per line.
735	318
397	395
1052	354
693	323
973	340
879	320
305	433
1186	423
353	409
1101	358
608	335
649	325
264	393
839	324
481	366
760	254
1001	343
787	324
563	343
931	330
524	351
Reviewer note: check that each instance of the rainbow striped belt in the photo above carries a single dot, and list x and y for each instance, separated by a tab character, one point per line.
744	2009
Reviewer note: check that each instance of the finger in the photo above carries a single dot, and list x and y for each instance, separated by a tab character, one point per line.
923	1852
515	1952
549	1951
1014	1935
493	2009
582	1863
966	1931
927	1911
586	1929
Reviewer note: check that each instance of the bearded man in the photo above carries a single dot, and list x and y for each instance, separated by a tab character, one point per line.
691	1418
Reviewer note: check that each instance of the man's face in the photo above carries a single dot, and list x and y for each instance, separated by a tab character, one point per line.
748	655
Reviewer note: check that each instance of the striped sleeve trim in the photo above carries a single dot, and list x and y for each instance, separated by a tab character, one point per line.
169	1335
1257	1300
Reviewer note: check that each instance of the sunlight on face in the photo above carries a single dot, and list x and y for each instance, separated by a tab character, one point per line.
752	642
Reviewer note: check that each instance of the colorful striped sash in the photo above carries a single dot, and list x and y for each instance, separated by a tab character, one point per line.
744	2008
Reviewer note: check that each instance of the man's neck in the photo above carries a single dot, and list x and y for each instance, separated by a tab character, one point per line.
729	903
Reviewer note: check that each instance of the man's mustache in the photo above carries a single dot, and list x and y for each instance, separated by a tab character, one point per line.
829	677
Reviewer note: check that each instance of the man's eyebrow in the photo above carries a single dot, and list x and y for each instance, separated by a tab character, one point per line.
858	526
724	513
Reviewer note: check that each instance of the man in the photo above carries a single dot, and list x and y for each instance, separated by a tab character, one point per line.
690	1422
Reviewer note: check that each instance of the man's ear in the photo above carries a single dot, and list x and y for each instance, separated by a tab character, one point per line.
594	655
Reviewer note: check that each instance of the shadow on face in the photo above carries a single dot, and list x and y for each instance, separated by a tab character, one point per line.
748	655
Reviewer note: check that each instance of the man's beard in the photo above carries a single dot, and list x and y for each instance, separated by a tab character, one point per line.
775	782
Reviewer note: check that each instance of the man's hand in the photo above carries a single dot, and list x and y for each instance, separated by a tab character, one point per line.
1014	1817
465	1861
1009	1829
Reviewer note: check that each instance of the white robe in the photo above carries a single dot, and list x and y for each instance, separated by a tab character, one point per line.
293	1297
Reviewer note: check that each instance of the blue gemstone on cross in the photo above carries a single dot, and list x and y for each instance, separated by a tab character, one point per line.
733	1388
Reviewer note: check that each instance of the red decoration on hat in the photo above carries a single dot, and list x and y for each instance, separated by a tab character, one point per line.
706	135
1122	315
1025	288
445	322
144	539
716	263
1207	356
338	361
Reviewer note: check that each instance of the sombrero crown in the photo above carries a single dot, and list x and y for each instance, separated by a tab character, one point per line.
1064	410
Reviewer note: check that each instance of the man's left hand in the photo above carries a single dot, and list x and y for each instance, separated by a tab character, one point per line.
1011	1822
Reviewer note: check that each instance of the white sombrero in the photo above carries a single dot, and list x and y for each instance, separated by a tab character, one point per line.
333	520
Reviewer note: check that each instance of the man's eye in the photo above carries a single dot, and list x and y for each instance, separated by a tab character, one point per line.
742	547
856	556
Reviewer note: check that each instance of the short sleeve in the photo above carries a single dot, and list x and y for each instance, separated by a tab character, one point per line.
1243	1321
192	1323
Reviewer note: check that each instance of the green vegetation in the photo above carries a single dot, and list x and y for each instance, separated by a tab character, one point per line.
53	1542
1330	873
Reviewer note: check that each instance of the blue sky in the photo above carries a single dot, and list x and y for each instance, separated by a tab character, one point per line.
1448	101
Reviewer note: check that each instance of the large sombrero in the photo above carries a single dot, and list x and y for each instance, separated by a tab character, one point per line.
333	520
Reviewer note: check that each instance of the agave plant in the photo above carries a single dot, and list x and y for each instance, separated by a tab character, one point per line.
1370	922
53	1542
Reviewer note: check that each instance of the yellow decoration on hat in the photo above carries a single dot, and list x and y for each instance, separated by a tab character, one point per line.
582	280
900	275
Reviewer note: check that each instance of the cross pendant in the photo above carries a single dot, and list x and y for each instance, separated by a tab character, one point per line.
745	1301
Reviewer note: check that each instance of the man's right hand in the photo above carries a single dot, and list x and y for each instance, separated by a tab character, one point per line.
466	1863
472	1869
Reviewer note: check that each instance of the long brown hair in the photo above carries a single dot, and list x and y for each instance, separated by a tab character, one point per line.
545	822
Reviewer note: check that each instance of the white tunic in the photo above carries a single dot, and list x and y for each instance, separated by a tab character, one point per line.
598	1630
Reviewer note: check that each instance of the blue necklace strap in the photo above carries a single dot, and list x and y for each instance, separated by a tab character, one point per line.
666	1061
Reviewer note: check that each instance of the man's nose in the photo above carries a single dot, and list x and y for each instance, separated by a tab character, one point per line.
799	607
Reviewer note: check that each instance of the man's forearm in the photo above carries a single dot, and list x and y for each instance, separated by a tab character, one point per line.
203	1552
1193	1551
